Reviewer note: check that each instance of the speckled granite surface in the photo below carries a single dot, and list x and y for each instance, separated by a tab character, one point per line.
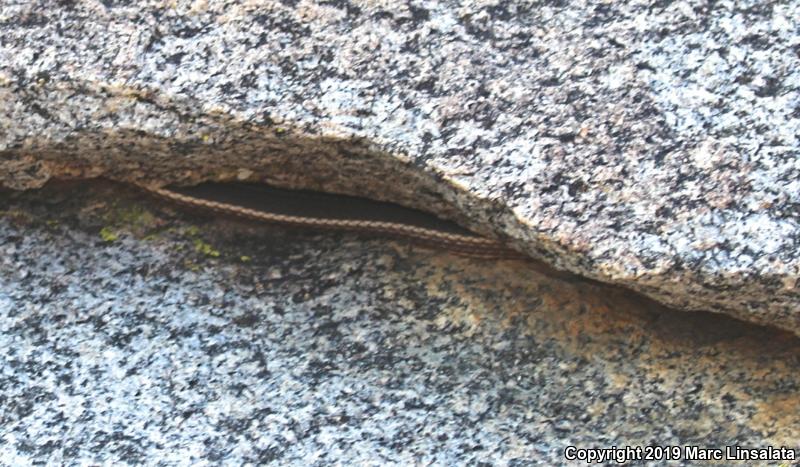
131	333
649	144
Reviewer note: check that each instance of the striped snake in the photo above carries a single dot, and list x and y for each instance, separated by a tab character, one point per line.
332	212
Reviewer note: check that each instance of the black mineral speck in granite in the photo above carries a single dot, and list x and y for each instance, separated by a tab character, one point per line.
186	339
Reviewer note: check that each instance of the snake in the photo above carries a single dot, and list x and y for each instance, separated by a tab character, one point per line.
327	211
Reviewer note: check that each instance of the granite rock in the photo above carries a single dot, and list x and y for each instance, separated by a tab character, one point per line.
132	333
651	144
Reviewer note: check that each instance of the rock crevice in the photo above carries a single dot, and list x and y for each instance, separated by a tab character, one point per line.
654	148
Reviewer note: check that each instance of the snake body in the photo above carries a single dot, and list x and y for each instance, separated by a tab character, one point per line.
300	209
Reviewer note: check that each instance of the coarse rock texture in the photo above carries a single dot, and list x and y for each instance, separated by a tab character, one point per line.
132	333
648	144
